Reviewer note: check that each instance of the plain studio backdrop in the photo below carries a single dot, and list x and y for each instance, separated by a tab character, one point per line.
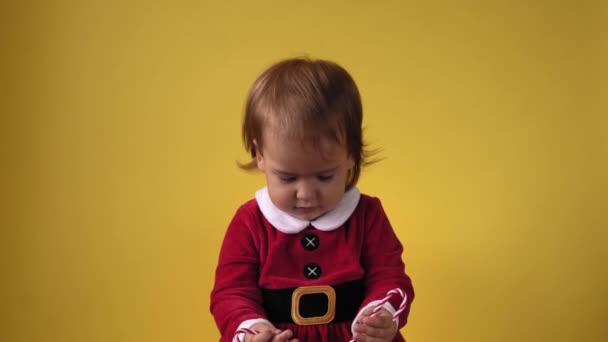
121	131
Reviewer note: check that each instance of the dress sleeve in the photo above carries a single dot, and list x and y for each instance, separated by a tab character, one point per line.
381	259
236	296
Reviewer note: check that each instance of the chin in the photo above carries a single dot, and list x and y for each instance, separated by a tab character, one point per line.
308	216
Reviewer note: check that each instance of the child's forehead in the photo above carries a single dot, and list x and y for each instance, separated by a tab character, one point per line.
312	141
303	157
283	127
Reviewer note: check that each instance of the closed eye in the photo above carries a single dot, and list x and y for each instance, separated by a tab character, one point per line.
287	179
325	178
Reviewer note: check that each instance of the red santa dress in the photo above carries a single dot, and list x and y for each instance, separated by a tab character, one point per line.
266	254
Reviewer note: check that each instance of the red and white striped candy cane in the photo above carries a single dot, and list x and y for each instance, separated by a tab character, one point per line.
388	296
243	331
378	307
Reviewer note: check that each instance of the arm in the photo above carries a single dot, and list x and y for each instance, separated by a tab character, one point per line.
384	268
236	299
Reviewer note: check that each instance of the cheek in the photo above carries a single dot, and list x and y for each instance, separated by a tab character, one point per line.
279	193
337	188
334	193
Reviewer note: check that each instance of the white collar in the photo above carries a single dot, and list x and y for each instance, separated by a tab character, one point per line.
288	224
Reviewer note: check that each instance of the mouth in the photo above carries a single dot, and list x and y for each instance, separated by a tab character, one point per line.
305	210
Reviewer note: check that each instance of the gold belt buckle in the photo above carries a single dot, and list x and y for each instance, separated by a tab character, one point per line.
307	290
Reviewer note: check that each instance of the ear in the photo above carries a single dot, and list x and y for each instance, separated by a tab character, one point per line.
259	158
350	162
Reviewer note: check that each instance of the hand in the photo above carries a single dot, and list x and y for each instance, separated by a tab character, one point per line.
269	334
379	328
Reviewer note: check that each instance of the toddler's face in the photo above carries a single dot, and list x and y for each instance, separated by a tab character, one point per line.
305	180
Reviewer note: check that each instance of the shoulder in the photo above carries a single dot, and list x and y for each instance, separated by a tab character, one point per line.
246	224
245	216
369	202
248	211
250	205
369	208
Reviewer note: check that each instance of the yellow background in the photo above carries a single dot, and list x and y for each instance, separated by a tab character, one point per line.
120	132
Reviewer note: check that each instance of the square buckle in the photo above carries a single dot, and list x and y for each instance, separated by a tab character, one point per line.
307	290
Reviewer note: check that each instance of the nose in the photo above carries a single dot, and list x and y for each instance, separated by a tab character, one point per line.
305	192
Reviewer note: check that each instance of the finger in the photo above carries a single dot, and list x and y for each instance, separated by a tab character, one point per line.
263	336
283	336
367	312
372	332
382	320
364	338
376	322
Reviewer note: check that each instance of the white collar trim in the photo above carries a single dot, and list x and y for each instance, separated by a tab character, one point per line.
288	224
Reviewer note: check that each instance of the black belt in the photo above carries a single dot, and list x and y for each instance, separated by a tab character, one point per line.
314	304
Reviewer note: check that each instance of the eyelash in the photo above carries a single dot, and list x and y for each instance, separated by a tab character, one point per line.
325	178
289	179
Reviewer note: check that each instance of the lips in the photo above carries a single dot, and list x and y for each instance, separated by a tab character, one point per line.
305	210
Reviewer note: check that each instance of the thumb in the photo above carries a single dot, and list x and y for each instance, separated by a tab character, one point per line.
262	336
367	312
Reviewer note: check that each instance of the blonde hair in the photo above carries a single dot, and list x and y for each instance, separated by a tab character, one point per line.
306	99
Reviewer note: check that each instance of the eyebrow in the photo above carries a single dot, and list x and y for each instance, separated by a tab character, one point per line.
283	172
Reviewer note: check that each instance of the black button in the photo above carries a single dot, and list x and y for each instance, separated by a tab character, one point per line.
312	271
310	242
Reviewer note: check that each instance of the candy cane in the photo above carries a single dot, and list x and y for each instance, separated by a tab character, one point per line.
243	331
378	307
389	294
